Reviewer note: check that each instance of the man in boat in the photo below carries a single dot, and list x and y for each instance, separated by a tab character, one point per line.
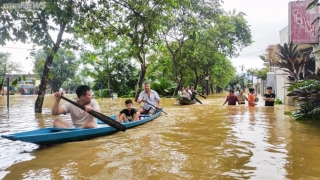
128	114
232	99
193	93
242	98
150	99
187	93
80	118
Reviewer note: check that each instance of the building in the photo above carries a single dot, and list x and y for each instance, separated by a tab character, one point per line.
247	80
302	31
24	87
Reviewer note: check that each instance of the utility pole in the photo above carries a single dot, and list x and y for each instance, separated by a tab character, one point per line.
242	67
108	73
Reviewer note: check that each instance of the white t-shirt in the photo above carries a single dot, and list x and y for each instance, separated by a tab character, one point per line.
154	98
237	93
187	94
78	116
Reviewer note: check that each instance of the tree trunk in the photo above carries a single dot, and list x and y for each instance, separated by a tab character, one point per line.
2	82
196	84
178	87
197	79
43	84
207	87
175	66
140	80
46	70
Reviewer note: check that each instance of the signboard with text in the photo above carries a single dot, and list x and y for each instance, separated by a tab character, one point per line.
302	28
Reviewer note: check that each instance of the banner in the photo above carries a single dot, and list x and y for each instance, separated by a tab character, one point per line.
301	29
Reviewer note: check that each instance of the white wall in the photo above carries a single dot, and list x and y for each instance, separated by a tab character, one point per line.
284	35
271	80
280	84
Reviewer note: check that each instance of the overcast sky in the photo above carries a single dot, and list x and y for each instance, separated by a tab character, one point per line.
266	19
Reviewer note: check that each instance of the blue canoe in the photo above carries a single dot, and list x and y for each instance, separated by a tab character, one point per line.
53	135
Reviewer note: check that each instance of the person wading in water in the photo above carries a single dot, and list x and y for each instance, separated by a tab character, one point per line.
231	99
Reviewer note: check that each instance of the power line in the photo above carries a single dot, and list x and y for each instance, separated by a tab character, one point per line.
15	48
267	38
251	54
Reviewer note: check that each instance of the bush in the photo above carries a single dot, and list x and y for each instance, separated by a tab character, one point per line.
288	113
278	101
163	86
105	93
132	93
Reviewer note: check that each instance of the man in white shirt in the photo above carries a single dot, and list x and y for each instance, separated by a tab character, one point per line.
150	97
80	118
187	93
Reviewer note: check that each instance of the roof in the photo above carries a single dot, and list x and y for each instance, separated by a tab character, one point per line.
26	75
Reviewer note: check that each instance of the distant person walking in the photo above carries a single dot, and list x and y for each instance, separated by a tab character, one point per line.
242	98
237	91
232	99
269	97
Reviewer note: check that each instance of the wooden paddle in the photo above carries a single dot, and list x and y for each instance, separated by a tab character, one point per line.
155	107
100	116
196	98
201	95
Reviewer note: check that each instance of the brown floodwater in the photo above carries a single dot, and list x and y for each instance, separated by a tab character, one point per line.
207	141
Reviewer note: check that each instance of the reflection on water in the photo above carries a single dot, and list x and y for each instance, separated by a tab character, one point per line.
207	141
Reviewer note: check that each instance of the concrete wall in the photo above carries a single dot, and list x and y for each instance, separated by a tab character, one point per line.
284	35
271	80
280	80
262	87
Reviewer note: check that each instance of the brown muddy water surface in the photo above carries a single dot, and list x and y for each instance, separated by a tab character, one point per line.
207	141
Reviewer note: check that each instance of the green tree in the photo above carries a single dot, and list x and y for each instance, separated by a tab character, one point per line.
136	21
7	66
260	73
63	67
111	68
71	84
37	27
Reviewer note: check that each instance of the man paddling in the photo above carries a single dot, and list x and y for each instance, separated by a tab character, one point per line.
80	118
151	98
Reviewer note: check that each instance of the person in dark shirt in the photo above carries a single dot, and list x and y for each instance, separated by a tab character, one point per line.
269	97
128	114
194	93
231	99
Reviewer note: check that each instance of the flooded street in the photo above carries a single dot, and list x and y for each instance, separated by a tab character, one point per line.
207	141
